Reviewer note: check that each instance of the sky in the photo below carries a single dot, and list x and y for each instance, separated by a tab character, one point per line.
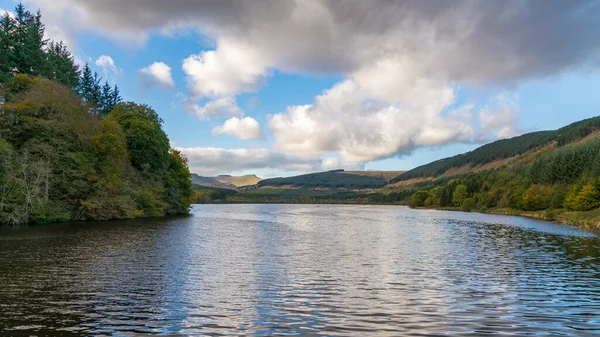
278	88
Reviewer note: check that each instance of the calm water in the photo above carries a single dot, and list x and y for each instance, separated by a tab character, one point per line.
301	269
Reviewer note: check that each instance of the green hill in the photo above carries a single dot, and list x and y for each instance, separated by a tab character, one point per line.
326	180
505	148
559	180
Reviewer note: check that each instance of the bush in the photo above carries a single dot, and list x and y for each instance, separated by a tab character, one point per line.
537	197
584	198
418	199
468	205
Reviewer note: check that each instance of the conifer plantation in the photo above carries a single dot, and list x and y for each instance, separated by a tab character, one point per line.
555	173
70	149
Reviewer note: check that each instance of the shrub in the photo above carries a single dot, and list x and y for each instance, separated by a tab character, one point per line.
468	205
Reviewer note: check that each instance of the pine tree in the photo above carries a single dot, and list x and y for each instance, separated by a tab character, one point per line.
106	100
60	65
116	97
29	43
85	83
7	27
36	44
96	91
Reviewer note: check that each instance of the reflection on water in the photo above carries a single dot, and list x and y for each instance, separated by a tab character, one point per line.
301	269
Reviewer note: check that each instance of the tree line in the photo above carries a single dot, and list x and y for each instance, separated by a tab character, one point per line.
566	177
26	51
70	149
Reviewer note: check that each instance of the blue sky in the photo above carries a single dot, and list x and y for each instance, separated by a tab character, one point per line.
288	87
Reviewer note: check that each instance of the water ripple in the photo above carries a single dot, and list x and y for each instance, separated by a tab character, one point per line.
301	269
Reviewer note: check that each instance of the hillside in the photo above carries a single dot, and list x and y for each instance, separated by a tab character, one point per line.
250	179
503	149
225	181
387	175
326	180
70	149
559	180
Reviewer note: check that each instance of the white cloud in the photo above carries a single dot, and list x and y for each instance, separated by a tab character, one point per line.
462	40
498	119
3	12
245	128
232	68
157	74
221	107
401	62
344	119
211	161
108	66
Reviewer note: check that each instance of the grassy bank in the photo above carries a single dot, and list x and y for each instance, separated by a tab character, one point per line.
587	219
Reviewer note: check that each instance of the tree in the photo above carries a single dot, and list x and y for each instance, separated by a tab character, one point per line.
537	197
29	42
178	184
58	159
106	105
418	199
7	28
61	65
460	194
468	205
583	198
147	144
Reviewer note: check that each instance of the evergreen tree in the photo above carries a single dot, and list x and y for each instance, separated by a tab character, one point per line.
106	100
7	28
85	82
29	43
116	97
60	65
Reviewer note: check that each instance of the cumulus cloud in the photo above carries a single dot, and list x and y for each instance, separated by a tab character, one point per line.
157	74
402	62
221	107
245	128
108	66
210	160
498	119
230	69
344	119
462	40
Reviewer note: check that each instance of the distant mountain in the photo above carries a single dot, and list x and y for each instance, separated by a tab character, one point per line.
225	181
250	179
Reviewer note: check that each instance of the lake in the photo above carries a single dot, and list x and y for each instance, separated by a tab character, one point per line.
301	269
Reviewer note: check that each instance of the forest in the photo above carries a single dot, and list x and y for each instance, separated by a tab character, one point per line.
70	149
556	184
505	148
328	179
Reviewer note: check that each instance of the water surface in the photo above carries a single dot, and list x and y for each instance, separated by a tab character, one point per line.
301	269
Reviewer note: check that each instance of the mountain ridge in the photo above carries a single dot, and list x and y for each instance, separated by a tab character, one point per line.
225	180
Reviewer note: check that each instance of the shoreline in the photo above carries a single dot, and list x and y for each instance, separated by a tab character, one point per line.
589	220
